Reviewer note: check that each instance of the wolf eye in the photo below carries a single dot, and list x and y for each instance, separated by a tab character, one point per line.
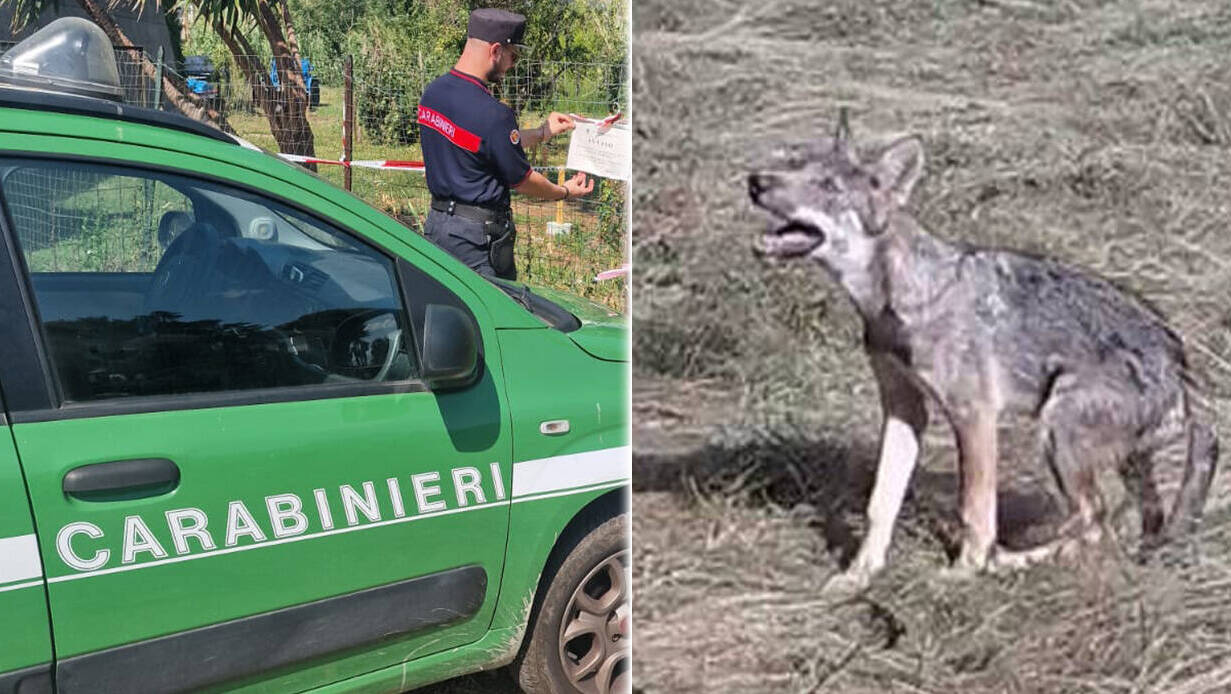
874	182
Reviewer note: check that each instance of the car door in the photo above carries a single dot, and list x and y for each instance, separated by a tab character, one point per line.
25	643
237	475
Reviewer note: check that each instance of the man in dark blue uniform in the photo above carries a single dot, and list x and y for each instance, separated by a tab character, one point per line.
473	150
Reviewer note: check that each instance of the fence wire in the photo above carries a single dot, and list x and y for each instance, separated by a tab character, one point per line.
560	245
70	220
139	89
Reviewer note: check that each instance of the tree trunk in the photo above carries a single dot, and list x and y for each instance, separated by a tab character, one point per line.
285	6
292	136
290	120
172	86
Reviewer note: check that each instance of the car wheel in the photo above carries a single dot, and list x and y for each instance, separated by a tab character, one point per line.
579	636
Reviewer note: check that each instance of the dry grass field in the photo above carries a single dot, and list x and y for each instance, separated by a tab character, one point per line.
1098	133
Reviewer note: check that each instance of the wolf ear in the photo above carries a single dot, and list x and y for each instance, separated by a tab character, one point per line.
900	167
842	135
843	132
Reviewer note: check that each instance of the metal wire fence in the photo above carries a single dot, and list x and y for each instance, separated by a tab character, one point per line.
139	90
560	245
299	109
81	220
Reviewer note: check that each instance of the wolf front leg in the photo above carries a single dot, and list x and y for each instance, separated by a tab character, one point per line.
905	418
978	455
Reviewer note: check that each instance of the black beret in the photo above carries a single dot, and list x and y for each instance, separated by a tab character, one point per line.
496	26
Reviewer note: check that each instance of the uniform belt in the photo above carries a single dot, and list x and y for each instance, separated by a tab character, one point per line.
474	212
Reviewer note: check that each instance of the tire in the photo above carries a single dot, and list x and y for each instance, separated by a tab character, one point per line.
579	637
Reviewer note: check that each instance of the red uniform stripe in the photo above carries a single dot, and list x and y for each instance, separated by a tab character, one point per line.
459	136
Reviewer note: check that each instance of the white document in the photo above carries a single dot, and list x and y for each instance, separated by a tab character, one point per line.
606	153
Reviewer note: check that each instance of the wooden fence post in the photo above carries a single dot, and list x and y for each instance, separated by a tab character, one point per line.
348	117
158	84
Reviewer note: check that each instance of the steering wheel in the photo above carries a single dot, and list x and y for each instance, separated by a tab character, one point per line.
352	341
395	342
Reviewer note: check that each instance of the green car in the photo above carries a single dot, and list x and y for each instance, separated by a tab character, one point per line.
258	436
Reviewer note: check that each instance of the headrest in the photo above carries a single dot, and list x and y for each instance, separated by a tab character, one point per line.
171	225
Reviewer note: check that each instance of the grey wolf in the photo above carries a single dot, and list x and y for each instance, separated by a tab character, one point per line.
982	332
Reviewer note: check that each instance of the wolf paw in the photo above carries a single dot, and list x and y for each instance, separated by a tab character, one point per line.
846	585
1006	561
958	573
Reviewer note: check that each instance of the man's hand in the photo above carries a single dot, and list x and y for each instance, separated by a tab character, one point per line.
536	185
557	123
578	185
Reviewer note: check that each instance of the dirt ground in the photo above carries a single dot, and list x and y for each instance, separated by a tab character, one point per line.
1098	133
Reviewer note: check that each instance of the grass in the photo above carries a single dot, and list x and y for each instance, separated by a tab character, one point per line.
568	262
1095	132
86	222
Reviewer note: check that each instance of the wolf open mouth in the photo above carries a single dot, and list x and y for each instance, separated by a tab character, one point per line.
791	238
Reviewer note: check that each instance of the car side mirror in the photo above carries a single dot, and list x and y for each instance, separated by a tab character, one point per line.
450	348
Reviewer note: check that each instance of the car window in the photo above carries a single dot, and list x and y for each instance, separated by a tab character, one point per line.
87	220
156	284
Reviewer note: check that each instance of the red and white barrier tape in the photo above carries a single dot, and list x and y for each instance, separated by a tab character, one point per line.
621	271
405	165
301	159
603	124
385	164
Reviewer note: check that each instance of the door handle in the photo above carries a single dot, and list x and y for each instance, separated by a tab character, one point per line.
122	479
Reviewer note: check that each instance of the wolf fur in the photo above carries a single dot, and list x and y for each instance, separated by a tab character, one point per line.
981	332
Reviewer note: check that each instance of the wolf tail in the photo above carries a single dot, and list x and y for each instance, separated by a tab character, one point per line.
1198	473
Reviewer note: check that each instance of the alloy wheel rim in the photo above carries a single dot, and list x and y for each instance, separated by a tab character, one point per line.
594	643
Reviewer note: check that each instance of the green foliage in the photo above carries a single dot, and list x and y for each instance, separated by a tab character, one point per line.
395	57
558	30
399	46
564	32
172	20
202	40
578	31
612	217
94	223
